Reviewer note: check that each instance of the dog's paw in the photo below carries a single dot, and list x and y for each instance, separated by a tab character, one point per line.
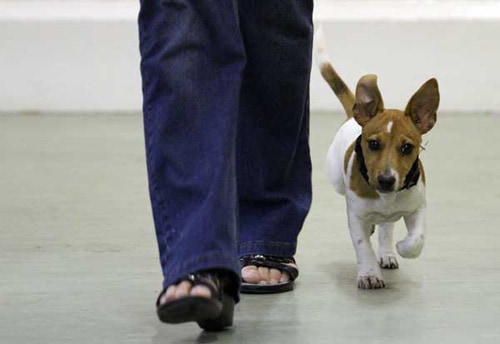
410	247
388	261
370	282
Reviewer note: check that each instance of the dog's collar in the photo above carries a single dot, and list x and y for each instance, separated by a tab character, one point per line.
411	178
361	159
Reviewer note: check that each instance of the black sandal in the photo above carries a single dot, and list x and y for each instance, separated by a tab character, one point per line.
271	262
211	314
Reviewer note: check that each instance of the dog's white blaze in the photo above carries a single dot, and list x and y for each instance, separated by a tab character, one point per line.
389	126
395	174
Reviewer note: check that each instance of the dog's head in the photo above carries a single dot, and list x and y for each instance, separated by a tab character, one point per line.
391	139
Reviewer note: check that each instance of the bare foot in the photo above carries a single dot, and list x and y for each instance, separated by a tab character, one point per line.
262	275
184	289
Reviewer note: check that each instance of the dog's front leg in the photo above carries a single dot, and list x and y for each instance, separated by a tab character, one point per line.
369	274
386	255
412	245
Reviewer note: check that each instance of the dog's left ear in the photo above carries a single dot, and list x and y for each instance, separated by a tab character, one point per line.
423	106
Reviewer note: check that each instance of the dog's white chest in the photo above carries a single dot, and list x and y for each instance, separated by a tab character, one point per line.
387	208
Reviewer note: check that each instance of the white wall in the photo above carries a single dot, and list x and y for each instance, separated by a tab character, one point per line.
77	56
83	55
455	41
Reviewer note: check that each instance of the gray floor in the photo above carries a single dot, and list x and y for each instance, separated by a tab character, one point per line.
78	260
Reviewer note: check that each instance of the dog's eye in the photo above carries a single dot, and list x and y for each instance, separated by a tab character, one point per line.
406	149
374	145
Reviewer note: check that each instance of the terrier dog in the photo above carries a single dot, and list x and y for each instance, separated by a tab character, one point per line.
374	162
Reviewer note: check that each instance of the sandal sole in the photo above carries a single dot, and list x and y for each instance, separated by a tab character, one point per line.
248	288
210	314
189	309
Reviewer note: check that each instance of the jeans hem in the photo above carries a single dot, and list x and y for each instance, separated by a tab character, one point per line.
269	248
208	261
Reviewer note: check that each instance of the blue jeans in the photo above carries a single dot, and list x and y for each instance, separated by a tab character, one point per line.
226	119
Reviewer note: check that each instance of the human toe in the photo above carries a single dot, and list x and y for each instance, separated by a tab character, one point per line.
200	291
250	274
264	275
275	276
183	289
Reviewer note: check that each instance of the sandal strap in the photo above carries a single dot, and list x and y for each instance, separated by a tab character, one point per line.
209	280
272	262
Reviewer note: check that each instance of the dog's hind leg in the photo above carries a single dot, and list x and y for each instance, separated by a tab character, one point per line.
386	255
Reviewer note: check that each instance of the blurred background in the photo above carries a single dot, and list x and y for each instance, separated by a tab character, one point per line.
82	55
78	255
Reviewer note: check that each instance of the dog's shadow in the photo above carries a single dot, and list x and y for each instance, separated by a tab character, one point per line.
344	276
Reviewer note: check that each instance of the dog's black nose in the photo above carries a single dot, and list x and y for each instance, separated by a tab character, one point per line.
386	183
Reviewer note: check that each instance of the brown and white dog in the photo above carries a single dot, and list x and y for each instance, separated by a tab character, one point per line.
374	162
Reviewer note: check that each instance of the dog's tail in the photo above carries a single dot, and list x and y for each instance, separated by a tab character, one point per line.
336	83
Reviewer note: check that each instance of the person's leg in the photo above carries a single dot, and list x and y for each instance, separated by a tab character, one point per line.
274	168
192	60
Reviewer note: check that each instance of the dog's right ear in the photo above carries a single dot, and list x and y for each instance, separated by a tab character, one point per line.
368	99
